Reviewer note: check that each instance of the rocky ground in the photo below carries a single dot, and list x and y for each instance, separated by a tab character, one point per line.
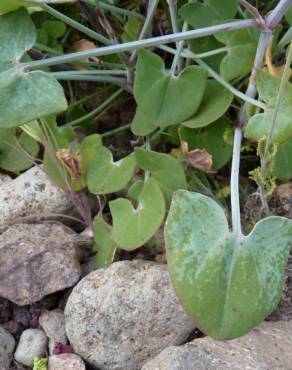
55	305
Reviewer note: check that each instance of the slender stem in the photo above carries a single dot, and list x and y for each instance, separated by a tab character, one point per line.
97	110
78	26
46	49
92	72
253	11
115	9
264	41
229	87
148	21
273	19
88	97
284	79
63	76
154	41
172	5
234	183
116	130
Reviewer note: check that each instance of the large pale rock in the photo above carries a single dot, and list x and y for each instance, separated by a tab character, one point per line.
32	343
66	361
30	193
119	317
53	324
7	344
40	259
268	347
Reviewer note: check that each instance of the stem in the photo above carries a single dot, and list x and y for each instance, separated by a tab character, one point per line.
148	21
154	41
116	130
115	9
253	11
284	79
97	110
228	86
63	76
234	183
273	19
78	26
86	98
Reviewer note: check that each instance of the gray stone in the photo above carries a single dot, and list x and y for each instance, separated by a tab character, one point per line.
40	259
32	343
4	178
7	344
267	347
53	324
30	193
66	361
119	317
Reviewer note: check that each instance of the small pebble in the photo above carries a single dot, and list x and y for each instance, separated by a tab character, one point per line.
53	324
32	343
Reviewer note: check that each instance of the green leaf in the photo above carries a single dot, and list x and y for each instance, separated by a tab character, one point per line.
104	176
27	96
105	246
201	14
283	162
165	169
165	99
12	157
135	189
227	283
24	96
215	103
88	149
288	15
259	125
211	138
131	29
17	35
141	124
240	55
133	227
10	5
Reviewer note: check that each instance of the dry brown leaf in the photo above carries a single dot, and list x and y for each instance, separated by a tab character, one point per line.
200	159
83	45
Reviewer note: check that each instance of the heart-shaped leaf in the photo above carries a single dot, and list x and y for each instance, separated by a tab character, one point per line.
105	246
88	149
10	5
133	227
157	92
201	14
104	176
227	283
211	138
283	162
141	124
27	96
24	96
165	169
241	45
259	125
12	157
215	103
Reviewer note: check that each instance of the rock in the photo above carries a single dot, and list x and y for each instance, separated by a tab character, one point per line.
119	317
30	193
53	324
66	361
4	178
39	260
7	344
267	347
32	343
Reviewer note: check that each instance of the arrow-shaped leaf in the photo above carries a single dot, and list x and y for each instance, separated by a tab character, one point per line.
227	283
133	227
